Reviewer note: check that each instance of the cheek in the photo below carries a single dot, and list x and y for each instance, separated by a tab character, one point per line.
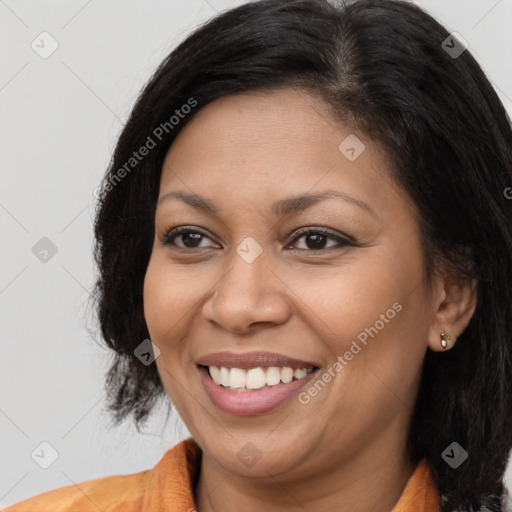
165	312
373	315
156	298
376	380
352	302
169	294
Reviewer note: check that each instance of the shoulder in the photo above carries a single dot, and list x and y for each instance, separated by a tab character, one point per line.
126	493
108	494
420	492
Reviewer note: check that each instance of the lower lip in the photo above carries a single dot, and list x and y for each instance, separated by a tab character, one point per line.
247	403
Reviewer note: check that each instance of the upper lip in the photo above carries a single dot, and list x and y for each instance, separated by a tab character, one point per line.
252	360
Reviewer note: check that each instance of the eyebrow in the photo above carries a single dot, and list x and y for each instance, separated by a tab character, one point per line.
283	207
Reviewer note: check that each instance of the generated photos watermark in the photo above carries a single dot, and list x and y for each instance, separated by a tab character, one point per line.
343	360
152	141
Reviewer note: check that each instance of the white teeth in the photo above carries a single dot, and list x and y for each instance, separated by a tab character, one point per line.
224	376
273	375
237	378
300	372
255	378
286	375
215	373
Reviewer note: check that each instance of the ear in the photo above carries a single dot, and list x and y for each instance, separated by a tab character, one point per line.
454	302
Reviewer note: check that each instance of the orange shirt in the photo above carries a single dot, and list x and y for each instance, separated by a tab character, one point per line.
168	487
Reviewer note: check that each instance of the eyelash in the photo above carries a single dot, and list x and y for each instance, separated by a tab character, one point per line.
171	233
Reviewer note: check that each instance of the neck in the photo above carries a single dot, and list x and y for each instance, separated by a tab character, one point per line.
365	483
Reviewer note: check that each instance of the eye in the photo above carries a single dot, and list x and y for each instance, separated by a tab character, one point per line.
316	239
191	238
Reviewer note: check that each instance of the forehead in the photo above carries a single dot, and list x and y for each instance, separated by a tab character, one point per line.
272	118
264	143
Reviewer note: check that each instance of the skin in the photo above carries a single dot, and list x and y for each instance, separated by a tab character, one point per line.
345	449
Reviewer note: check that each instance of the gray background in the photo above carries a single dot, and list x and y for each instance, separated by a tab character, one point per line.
59	118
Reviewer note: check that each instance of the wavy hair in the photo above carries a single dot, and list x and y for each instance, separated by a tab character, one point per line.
385	69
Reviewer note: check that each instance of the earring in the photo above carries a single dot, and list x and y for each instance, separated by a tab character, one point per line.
444	344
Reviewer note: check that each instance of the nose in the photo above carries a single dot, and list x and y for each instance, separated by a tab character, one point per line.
248	294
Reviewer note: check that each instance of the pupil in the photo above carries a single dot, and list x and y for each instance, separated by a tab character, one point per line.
320	240
190	236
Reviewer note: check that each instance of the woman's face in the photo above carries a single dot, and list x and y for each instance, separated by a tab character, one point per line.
246	279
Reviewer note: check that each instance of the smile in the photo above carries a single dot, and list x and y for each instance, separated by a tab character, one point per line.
276	387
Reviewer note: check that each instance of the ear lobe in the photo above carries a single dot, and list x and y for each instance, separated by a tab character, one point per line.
456	304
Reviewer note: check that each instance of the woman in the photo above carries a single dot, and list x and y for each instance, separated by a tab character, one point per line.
307	214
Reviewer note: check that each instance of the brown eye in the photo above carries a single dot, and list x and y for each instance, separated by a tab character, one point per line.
190	238
316	239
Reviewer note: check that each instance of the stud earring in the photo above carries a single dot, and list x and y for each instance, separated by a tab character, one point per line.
444	344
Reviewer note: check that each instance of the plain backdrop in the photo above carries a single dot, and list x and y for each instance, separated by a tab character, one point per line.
59	119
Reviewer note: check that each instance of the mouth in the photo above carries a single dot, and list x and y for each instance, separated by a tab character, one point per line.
253	391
